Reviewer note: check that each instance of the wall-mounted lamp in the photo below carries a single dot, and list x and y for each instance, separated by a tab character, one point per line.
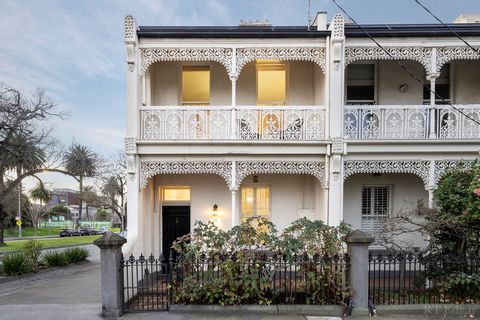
215	210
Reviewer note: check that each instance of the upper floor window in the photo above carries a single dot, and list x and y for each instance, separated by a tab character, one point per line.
271	82
442	87
361	84
195	85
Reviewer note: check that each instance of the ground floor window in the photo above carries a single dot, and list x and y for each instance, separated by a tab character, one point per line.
375	207
255	202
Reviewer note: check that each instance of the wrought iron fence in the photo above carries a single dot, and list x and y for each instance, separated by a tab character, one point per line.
146	283
415	278
280	279
152	284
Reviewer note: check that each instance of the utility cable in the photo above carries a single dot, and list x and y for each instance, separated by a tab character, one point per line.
448	27
403	66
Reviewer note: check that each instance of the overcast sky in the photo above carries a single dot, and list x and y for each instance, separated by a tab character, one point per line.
73	48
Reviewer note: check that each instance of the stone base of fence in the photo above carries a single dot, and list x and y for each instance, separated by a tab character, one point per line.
430	310
295	309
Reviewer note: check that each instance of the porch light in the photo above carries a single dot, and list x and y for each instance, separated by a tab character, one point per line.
215	210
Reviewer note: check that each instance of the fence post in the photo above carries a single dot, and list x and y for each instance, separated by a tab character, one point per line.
357	249
112	279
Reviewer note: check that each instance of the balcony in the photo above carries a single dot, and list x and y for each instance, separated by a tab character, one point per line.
249	123
386	122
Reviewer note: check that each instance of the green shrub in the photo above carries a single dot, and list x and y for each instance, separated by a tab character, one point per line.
55	258
460	287
235	269
16	263
75	255
33	250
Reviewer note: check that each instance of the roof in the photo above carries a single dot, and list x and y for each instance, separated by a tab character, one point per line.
376	30
230	32
412	30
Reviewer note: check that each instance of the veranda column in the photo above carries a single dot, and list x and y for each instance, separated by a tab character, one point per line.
233	114
233	78
432	133
233	189
335	72
234	208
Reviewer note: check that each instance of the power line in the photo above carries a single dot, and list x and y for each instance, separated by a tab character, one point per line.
447	26
403	66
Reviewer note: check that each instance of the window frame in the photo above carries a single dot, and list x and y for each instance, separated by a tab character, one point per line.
372	204
287	77
375	84
180	84
255	186
174	202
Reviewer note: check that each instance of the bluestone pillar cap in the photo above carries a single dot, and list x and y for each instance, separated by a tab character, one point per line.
110	239
359	236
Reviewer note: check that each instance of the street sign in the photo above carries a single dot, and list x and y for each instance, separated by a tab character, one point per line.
19	223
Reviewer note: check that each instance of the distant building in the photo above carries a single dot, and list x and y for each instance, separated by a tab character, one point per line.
468	18
64	197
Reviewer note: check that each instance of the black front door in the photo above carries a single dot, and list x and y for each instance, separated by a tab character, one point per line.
176	223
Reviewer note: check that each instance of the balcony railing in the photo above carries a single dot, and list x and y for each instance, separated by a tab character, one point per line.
289	123
369	122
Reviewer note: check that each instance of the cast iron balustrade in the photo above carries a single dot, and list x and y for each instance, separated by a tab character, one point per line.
264	123
385	122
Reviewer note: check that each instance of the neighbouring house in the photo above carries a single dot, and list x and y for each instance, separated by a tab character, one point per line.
237	122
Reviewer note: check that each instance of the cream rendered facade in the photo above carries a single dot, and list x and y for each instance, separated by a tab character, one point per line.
318	156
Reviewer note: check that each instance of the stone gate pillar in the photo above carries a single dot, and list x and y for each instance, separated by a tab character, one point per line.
357	248
111	276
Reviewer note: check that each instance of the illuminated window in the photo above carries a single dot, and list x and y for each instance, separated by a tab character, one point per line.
195	85
255	202
176	194
271	82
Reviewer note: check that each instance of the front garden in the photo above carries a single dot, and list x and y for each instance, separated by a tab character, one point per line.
31	258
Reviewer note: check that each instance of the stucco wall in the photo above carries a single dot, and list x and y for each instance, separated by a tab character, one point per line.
166	83
467	81
407	189
389	78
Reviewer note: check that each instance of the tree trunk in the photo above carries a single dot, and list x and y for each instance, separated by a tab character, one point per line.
80	202
2	220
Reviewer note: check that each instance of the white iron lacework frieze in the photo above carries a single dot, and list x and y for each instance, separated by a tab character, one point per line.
444	166
447	54
220	55
246	55
149	169
422	55
130	145
246	168
419	168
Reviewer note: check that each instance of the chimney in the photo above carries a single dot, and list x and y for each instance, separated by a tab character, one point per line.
320	21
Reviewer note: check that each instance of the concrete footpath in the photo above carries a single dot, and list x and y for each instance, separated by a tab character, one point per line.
73	293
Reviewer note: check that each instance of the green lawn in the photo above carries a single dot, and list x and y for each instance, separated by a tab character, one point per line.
30	232
49	243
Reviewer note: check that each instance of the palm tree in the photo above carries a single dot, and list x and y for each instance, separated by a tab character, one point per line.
81	162
43	195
